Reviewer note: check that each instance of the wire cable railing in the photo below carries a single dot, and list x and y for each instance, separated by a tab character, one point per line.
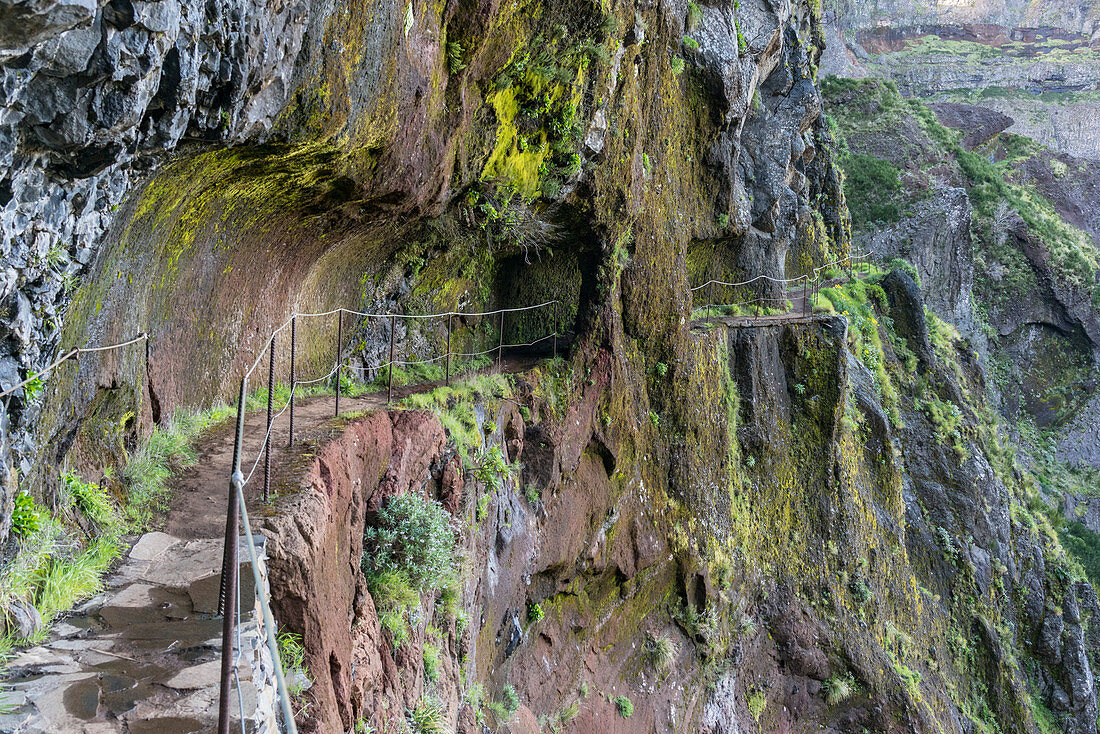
71	354
237	515
809	284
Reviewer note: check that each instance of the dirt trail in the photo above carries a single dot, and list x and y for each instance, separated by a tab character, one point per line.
200	492
143	655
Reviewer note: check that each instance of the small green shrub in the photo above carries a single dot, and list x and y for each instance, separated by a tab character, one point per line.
395	600
534	612
32	389
691	43
654	419
756	704
661	369
493	470
449	604
431	661
505	709
90	499
661	650
861	593
694	15
838	688
415	538
25	518
292	654
510	699
532	493
624	706
910	679
427	717
677	65
456	57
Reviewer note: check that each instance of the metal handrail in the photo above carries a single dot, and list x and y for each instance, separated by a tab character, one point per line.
808	284
237	514
782	280
69	355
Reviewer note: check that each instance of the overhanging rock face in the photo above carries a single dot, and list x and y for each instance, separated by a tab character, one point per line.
92	96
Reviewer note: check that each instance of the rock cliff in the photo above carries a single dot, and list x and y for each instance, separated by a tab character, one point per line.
722	528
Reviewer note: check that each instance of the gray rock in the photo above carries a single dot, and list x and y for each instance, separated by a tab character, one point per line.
907	311
23	619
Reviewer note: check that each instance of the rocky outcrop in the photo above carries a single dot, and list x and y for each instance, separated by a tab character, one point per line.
935	238
1035	63
978	123
316	547
402	173
93	96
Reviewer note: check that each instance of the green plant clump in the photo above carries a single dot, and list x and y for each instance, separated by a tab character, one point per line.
91	500
661	650
415	538
535	612
838	688
411	551
292	654
25	518
624	706
427	717
756	704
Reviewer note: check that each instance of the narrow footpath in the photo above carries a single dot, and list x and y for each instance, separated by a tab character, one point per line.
143	655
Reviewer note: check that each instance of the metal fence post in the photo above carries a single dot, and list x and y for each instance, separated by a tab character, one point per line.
339	355
500	342
270	410
230	566
393	331
449	349
293	339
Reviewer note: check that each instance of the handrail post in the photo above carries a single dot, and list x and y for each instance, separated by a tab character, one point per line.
339	349
449	349
500	341
270	410
230	567
393	331
293	379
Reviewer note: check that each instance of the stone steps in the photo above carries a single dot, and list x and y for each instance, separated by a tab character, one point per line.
143	655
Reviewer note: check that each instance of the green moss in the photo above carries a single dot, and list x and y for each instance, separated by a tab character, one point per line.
535	103
872	188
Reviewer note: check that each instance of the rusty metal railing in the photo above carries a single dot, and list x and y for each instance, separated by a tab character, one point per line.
74	353
809	284
237	513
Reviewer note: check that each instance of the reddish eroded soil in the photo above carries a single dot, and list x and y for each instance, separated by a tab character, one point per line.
200	492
